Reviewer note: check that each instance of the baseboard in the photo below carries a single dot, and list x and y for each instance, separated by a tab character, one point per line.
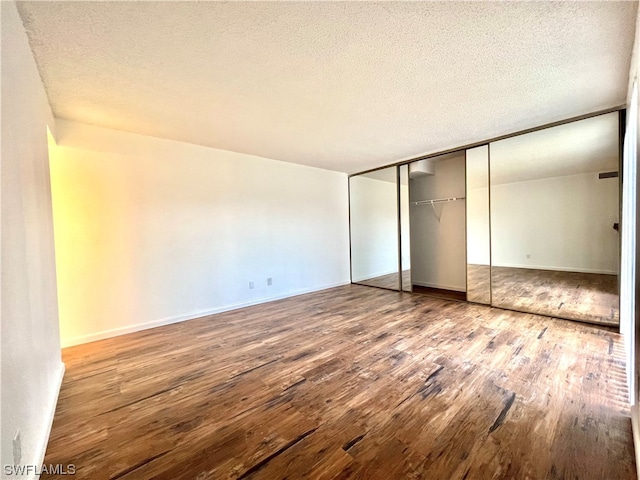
635	426
557	269
41	448
441	286
114	332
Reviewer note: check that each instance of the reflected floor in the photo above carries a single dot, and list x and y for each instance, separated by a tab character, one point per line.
479	283
389	281
579	296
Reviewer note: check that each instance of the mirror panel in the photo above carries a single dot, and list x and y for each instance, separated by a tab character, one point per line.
554	249
478	232
373	201
405	230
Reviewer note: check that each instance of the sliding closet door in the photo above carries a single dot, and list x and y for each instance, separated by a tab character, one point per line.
374	223
554	221
478	231
405	229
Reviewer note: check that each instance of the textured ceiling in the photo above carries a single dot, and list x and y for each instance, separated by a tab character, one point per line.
345	86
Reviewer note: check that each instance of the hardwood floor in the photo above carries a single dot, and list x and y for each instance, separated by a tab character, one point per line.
587	297
351	382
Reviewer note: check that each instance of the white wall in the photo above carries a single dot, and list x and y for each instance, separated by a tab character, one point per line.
31	365
478	233
438	257
477	202
374	227
561	223
151	231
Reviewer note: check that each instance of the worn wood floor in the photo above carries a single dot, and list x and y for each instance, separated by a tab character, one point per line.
351	382
587	297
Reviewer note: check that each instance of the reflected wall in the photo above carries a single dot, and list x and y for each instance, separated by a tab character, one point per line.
374	228
478	231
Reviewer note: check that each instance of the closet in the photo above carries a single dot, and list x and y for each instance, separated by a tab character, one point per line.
527	222
407	226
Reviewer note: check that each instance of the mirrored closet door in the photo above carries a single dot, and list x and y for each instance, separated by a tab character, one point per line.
478	231
405	229
527	223
374	228
554	218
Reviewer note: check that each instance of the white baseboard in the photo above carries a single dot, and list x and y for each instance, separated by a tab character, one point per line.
557	269
454	288
41	447
114	332
635	426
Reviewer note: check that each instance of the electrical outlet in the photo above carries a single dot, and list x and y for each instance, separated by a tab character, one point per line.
251	285
269	281
17	449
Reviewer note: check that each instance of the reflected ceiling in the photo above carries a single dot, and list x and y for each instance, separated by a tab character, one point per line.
585	146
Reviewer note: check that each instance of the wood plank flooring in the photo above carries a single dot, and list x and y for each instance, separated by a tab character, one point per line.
587	297
352	382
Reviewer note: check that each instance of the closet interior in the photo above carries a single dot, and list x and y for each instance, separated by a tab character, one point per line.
437	225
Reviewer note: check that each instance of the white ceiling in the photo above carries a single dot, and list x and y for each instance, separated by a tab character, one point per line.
339	85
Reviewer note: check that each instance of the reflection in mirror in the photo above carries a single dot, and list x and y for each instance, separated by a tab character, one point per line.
373	201
554	204
405	231
478	247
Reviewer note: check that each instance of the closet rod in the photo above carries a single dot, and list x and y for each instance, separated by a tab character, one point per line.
437	200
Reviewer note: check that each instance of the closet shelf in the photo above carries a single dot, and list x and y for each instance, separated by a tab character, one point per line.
437	200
